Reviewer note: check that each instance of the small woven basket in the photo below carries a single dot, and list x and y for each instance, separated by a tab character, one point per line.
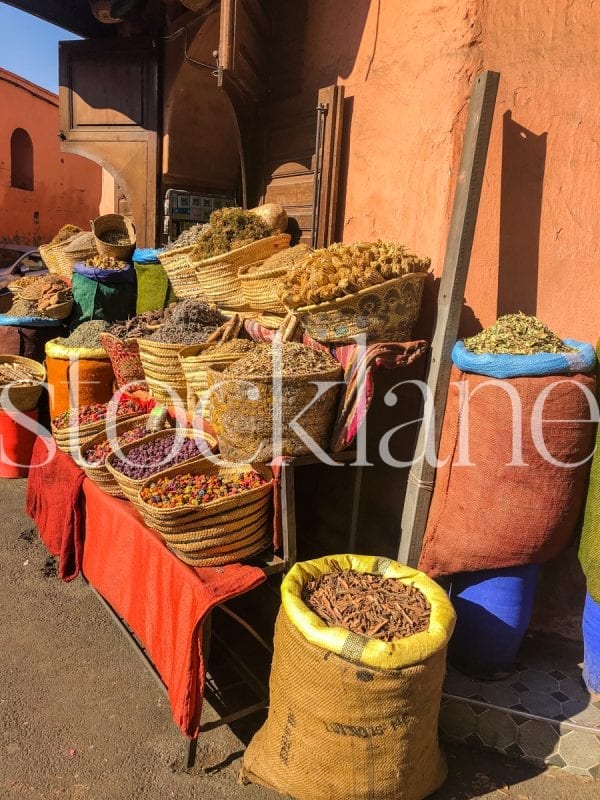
99	474
262	282
130	487
60	310
242	409
23	397
218	277
114	223
218	531
70	439
195	361
162	368
180	272
384	313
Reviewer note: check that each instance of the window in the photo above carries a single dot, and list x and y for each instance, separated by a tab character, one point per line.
21	160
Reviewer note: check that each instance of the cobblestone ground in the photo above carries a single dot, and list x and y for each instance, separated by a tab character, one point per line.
81	718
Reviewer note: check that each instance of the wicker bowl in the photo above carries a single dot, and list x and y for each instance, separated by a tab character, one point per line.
24	397
60	310
109	223
384	313
219	532
71	438
218	277
130	486
99	474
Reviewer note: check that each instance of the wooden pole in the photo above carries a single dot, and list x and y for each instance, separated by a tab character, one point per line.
450	303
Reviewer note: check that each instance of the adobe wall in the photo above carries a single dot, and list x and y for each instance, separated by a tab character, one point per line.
67	188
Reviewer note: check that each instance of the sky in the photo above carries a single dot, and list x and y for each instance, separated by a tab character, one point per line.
29	46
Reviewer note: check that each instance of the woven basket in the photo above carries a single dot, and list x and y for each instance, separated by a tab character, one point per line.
125	358
49	253
385	313
244	425
114	222
162	367
60	310
262	288
195	361
24	398
218	529
99	474
180	272
218	277
71	439
130	487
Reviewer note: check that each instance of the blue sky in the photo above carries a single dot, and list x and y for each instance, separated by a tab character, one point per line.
29	46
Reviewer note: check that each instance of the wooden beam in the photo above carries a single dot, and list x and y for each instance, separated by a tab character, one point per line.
72	15
450	302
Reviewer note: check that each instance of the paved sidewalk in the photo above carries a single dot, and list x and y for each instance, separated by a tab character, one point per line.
81	719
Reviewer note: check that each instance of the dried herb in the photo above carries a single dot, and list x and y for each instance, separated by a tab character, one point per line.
296	359
517	334
381	608
65	233
106	262
191	322
189	236
87	335
116	237
228	229
344	269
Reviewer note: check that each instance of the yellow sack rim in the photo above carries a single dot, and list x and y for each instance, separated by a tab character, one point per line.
56	348
371	652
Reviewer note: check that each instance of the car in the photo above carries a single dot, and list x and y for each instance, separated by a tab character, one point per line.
17	260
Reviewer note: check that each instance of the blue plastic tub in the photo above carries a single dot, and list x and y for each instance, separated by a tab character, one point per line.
493	612
591	644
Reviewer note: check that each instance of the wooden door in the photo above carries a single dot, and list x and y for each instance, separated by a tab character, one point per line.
109	114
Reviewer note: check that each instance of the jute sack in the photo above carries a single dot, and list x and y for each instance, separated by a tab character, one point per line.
350	717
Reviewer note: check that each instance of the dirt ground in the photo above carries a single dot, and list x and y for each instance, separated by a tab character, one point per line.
81	717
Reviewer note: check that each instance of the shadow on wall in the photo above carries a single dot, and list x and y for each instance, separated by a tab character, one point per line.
522	183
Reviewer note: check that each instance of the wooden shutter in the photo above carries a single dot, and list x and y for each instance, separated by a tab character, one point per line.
108	113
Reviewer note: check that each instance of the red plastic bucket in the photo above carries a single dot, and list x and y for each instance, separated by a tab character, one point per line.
16	444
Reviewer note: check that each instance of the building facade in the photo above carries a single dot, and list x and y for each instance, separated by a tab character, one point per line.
41	188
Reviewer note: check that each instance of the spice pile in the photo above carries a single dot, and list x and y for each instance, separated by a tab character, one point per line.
191	322
344	269
41	293
230	348
198	490
64	233
189	236
296	359
228	229
381	608
115	237
286	259
87	335
517	334
17	373
148	458
96	455
141	326
106	262
95	412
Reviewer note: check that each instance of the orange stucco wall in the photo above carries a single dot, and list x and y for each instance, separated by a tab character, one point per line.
67	188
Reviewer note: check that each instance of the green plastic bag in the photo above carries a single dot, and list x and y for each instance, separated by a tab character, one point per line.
108	301
154	290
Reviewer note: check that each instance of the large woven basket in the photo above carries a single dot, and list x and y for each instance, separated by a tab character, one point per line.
71	439
109	223
162	367
180	272
384	313
62	256
99	474
242	410
23	397
195	361
262	282
219	532
130	487
218	277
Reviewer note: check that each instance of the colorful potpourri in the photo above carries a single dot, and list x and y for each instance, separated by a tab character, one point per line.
147	458
97	454
198	490
95	412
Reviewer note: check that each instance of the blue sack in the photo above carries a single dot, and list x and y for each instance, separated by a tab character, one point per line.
508	366
30	322
591	644
112	276
146	255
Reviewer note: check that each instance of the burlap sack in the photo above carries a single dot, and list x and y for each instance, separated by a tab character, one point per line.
77	377
492	515
341	729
